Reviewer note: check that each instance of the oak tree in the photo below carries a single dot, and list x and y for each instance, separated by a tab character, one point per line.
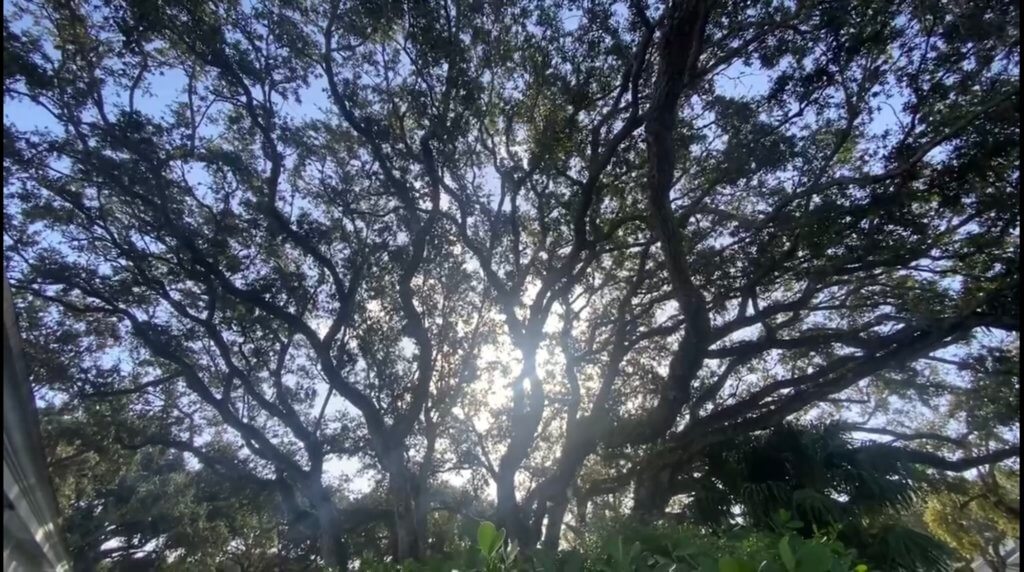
561	248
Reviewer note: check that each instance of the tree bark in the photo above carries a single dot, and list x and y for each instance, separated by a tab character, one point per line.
333	549
407	537
556	516
651	494
525	419
509	515
409	529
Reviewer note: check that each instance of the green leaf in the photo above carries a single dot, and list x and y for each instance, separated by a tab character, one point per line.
545	561
814	558
489	538
787	554
635	550
730	564
860	568
573	561
511	551
616	550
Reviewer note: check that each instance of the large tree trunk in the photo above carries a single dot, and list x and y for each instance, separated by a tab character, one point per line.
581	441
525	419
407	538
508	508
556	516
330	536
409	531
421	526
651	494
331	539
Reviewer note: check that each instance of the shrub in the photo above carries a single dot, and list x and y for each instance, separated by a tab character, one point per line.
655	550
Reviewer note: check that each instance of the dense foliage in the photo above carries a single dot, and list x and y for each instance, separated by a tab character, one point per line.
660	550
978	519
348	277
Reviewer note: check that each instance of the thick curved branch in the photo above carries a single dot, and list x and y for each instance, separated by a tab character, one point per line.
936	461
898	436
100	394
679	51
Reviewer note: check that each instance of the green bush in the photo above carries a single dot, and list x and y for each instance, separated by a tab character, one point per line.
655	550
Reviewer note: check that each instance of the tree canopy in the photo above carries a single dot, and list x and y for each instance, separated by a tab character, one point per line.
535	259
